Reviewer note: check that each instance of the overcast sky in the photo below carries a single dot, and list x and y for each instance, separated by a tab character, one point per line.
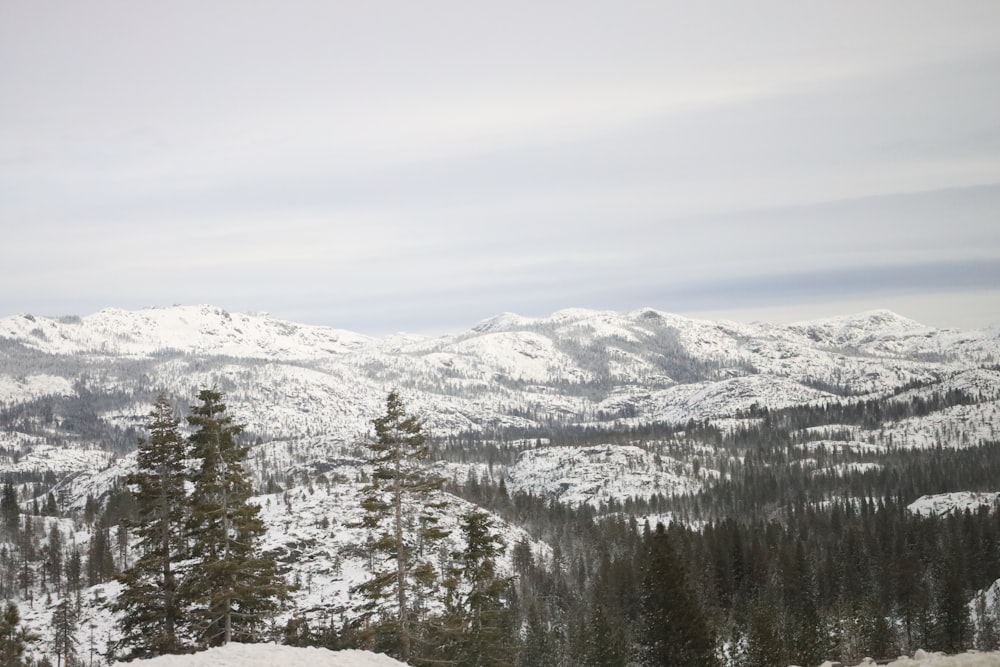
420	166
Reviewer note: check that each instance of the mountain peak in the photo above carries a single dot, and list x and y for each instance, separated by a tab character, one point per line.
503	322
880	318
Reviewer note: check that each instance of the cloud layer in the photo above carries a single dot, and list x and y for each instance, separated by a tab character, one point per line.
391	166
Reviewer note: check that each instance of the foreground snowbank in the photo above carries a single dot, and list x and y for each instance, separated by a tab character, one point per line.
268	655
925	659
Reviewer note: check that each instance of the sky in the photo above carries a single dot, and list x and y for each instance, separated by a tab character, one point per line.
410	166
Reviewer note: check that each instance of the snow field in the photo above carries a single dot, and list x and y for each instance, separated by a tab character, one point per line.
925	659
268	655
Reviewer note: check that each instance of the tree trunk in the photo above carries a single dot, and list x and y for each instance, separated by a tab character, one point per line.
404	625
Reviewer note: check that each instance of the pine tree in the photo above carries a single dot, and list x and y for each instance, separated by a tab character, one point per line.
232	587
74	570
539	648
14	637
489	629
10	511
808	638
64	627
764	645
54	556
673	628
399	511
605	640
100	561
149	604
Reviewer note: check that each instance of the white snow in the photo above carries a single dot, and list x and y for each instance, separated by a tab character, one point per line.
925	659
32	386
269	655
942	504
597	474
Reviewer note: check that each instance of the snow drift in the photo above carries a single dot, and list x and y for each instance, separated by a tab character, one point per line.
268	655
925	659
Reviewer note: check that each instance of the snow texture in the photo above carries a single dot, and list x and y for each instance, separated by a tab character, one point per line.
943	504
269	655
925	659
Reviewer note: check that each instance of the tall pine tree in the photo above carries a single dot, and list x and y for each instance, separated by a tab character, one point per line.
489	620
14	637
150	606
400	511
233	589
65	620
673	627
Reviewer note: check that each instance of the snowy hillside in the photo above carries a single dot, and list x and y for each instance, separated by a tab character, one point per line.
598	474
73	388
954	503
577	365
313	533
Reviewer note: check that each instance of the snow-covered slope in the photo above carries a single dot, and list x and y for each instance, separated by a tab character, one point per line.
563	366
942	504
75	385
598	474
191	329
314	533
269	655
925	659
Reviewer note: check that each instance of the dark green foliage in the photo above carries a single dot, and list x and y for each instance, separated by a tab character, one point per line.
14	637
199	579
100	560
401	513
485	634
54	556
10	512
673	628
64	626
764	645
150	604
231	588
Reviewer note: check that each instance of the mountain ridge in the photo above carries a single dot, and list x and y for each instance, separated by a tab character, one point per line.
568	366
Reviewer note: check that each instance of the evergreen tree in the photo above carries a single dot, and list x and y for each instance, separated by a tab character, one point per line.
605	635
539	647
14	637
150	607
400	512
951	612
489	629
100	561
673	627
74	570
54	556
64	627
805	630
764	646
10	511
232	588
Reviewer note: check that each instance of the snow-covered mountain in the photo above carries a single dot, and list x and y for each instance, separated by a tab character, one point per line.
576	366
74	387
